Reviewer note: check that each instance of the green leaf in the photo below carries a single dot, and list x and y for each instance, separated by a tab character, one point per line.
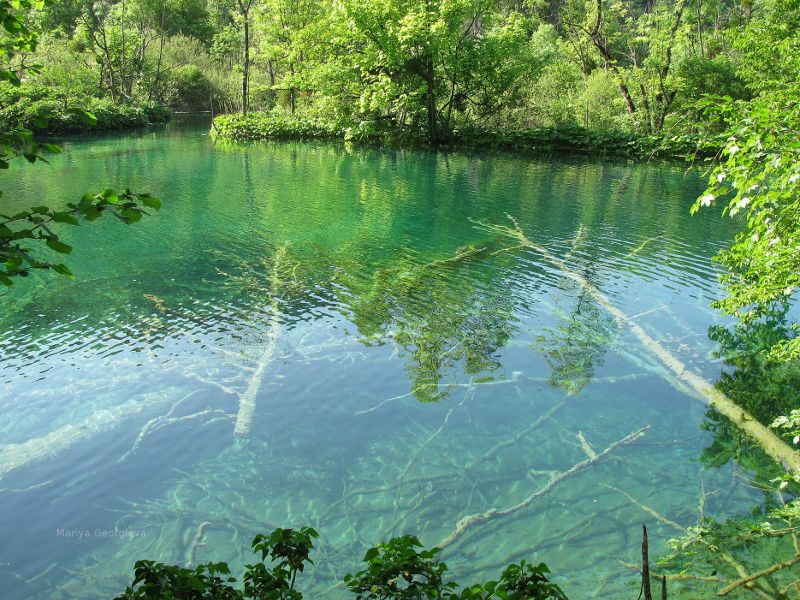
63	269
64	217
131	215
150	201
59	246
371	553
110	196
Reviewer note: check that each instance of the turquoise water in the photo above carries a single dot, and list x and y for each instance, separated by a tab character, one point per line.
308	334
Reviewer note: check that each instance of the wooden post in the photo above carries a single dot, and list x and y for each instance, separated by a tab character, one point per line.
648	595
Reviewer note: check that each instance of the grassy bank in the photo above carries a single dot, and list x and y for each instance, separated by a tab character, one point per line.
263	126
44	110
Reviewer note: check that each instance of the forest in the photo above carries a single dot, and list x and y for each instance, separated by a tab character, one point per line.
711	85
422	70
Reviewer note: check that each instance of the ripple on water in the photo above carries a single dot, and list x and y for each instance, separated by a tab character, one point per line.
407	368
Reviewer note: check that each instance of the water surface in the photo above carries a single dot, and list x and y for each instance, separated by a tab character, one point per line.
308	334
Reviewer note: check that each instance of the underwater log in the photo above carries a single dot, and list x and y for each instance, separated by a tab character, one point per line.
247	401
771	443
13	456
466	522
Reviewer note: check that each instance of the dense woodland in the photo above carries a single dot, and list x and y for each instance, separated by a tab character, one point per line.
430	67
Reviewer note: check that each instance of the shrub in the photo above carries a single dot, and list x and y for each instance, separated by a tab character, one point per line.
188	88
44	110
260	126
398	569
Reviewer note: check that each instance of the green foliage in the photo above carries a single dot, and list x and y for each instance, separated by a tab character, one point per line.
599	105
710	553
404	70
398	569
26	230
188	88
700	75
17	38
43	109
288	550
758	176
569	138
791	424
259	126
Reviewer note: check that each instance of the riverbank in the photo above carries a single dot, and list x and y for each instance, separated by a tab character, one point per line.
43	111
263	126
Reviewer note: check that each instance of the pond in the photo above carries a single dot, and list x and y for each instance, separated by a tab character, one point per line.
357	340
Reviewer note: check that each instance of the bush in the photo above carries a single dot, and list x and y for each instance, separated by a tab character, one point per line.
394	570
261	126
698	76
188	88
45	110
564	138
600	105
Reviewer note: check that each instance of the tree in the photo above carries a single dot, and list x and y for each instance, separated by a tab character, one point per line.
22	231
420	65
283	26
636	46
244	7
758	175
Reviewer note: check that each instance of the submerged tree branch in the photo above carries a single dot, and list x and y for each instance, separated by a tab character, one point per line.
467	522
773	445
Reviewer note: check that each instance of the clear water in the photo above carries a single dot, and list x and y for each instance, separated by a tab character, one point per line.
407	366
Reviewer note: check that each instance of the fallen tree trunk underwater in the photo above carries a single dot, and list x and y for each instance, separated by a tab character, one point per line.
773	445
247	401
466	522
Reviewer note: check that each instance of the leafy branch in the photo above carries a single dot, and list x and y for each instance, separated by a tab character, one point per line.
19	232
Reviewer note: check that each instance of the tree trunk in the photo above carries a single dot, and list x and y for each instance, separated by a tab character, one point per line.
431	103
122	62
291	91
160	57
244	8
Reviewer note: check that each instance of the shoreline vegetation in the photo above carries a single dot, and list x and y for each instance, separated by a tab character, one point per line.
258	126
44	111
